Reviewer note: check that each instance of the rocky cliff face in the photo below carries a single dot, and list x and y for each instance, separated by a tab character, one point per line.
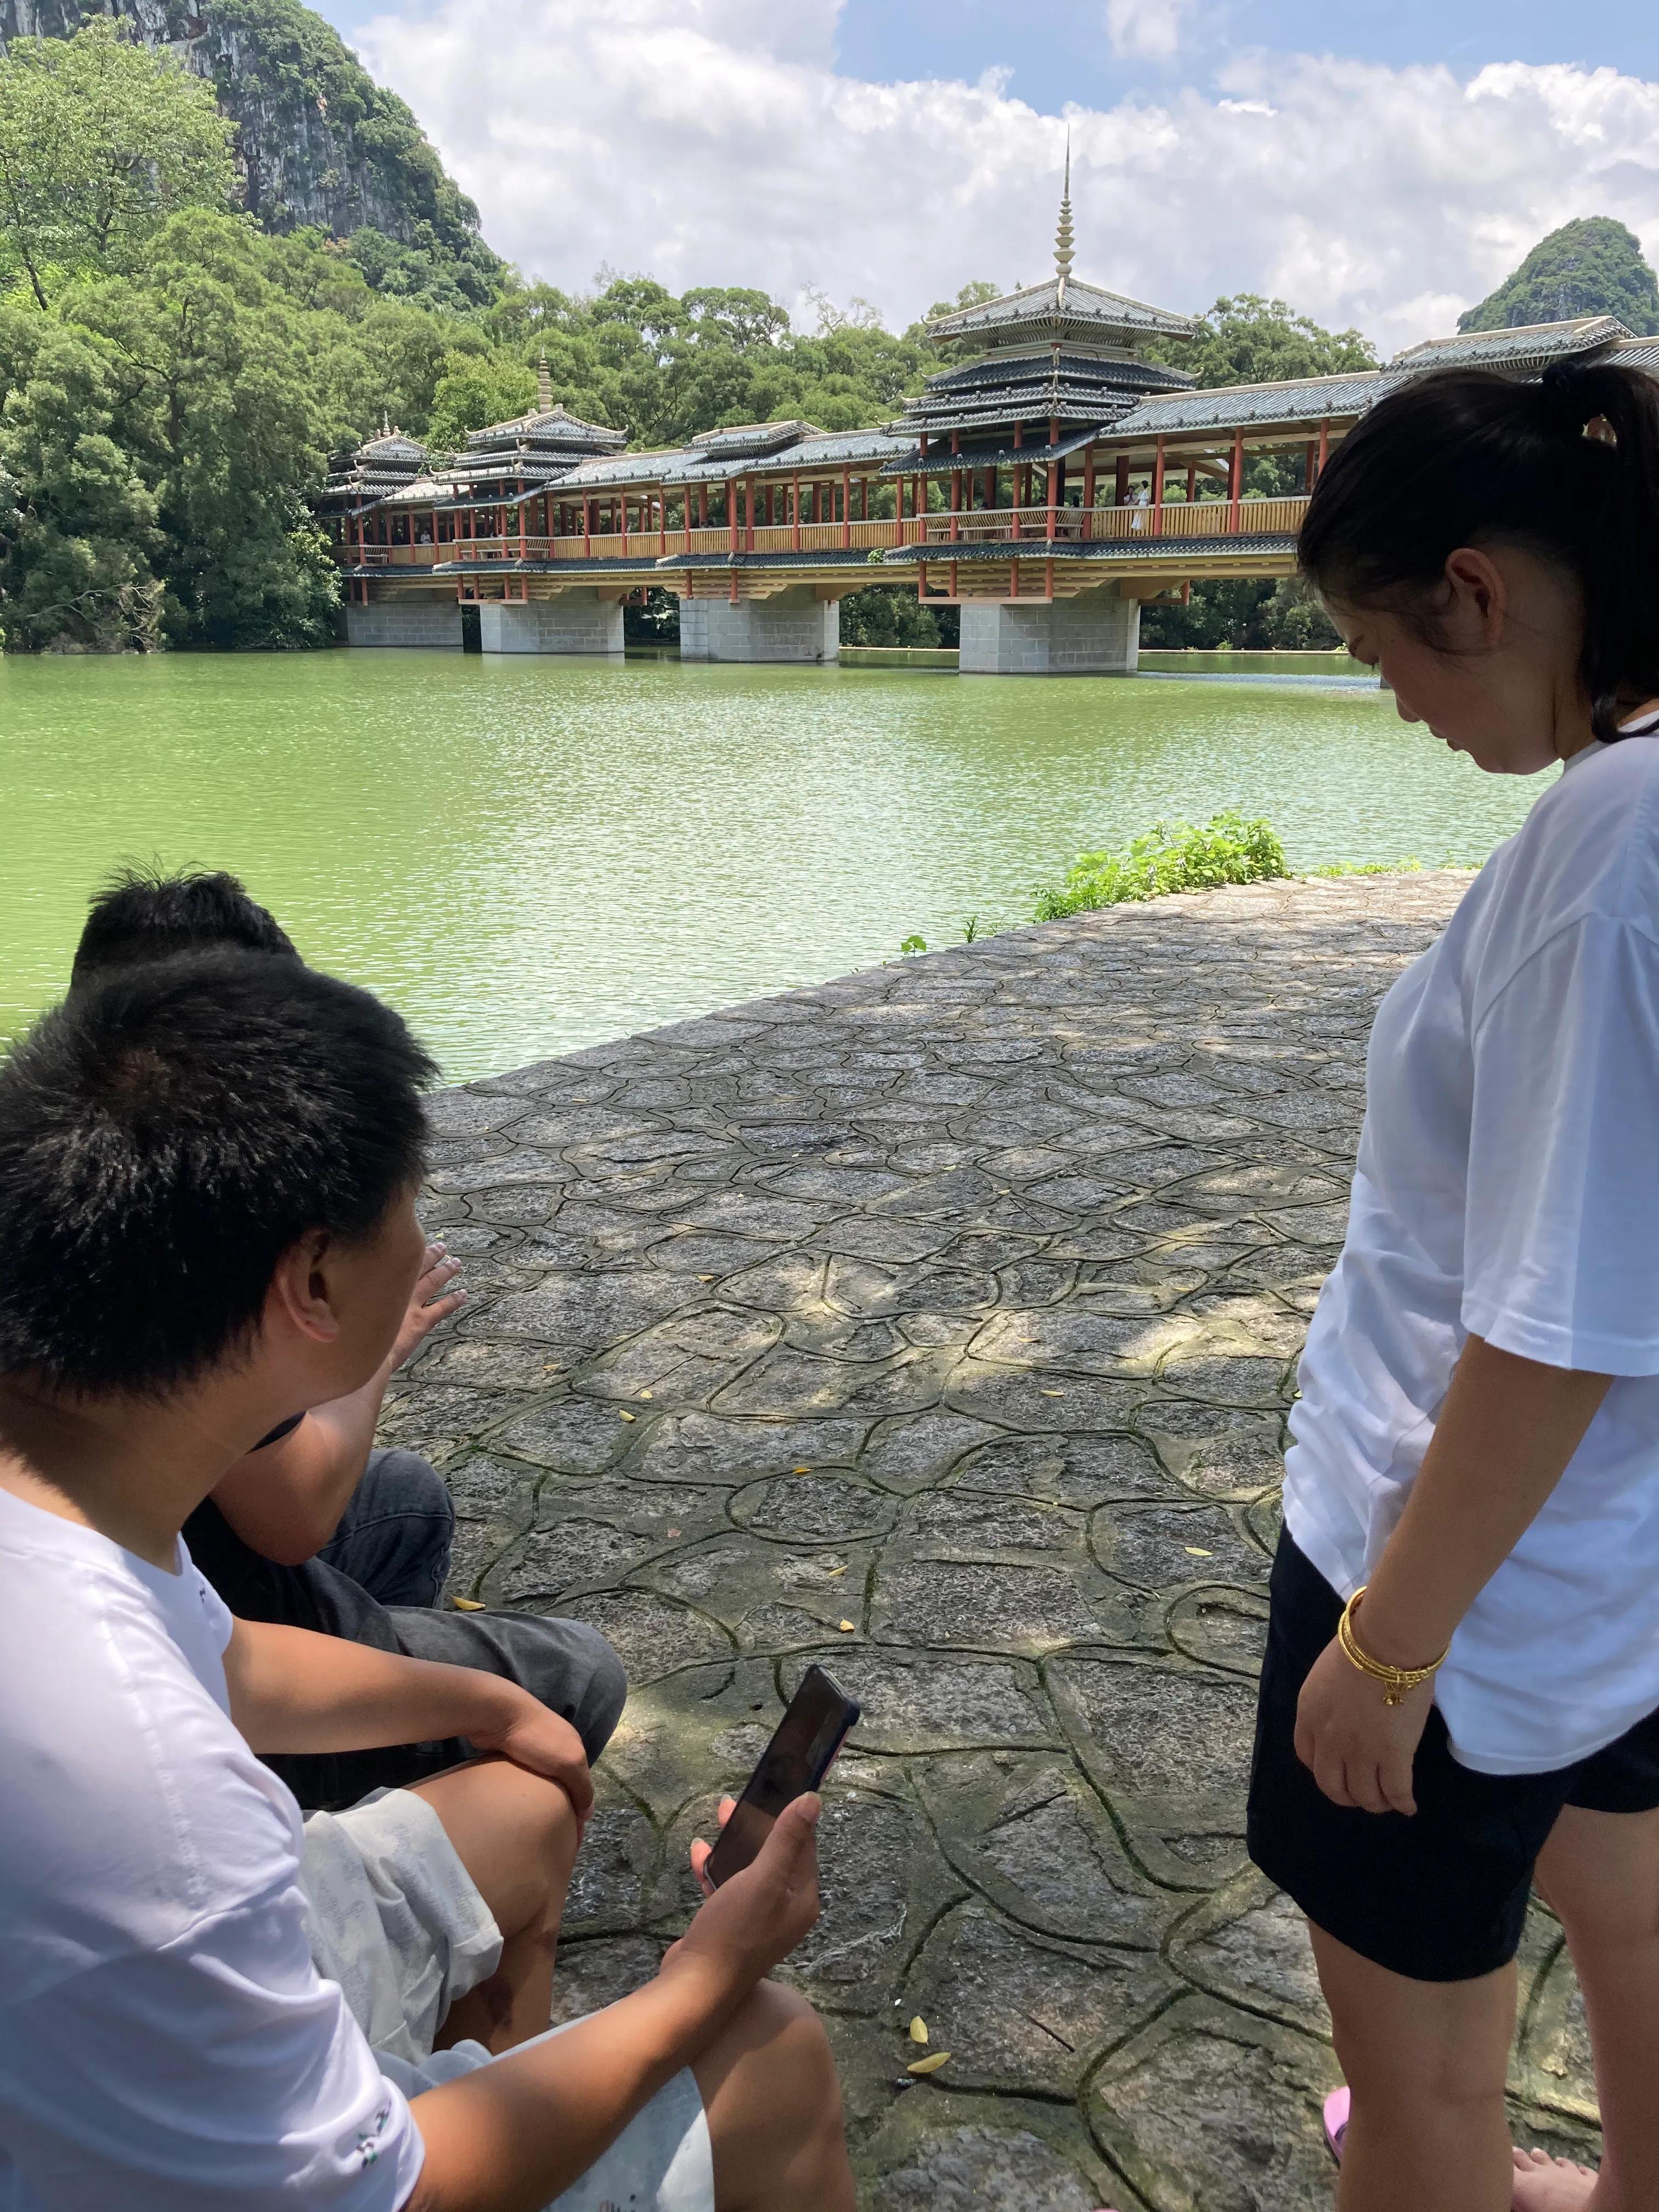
318	141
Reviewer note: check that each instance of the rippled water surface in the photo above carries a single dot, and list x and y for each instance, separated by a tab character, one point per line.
531	854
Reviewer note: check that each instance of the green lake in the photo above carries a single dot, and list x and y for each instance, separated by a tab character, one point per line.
529	855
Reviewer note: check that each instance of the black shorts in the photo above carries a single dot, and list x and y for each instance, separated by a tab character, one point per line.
1440	1895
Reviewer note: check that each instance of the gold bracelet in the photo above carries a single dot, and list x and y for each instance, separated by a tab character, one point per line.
1396	1680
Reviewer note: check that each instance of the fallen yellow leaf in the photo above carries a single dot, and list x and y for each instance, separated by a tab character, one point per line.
800	1470
930	2064
833	1573
1053	1393
467	1604
1197	1551
705	1278
625	1415
918	2030
847	1628
642	1393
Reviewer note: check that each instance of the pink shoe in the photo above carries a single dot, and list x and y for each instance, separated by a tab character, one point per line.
1337	2106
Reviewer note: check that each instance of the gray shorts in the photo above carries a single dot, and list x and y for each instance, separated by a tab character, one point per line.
397	1922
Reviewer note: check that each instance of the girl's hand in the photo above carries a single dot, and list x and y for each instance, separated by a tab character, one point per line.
1359	1749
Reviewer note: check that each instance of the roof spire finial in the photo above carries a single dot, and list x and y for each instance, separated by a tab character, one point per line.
386	422
543	384
1063	256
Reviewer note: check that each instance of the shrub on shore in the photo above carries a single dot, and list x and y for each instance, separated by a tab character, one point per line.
1175	856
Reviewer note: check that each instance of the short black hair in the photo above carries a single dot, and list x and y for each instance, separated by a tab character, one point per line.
143	915
166	1135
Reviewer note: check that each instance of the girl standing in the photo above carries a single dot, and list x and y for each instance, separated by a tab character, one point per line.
1461	1688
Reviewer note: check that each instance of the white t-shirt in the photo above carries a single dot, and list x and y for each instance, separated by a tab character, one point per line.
166	2044
1508	1188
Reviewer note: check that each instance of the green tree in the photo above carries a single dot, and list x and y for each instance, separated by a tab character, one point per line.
77	524
1247	339
217	404
1592	266
475	390
99	141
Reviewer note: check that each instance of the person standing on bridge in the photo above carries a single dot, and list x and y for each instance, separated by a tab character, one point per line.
1462	1683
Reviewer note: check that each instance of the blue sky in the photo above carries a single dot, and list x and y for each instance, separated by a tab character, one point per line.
1057	50
1382	165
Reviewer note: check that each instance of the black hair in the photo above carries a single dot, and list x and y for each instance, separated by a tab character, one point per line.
143	915
166	1135
1566	467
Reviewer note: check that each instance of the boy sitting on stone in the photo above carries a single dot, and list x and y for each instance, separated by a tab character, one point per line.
208	1172
312	1528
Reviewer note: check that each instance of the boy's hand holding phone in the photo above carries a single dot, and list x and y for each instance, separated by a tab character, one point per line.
751	1922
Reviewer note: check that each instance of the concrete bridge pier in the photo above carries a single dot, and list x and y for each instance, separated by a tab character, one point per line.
575	621
796	624
433	620
1096	634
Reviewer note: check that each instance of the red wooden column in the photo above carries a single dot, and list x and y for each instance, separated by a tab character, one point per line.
731	513
1054	504
523	508
955	505
662	521
794	510
702	506
864	499
587	528
846	508
917	499
1236	480
1157	488
1089	492
1324	444
1310	467
1191	482
1120	489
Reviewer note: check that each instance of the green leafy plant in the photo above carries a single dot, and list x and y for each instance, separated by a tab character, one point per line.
970	929
914	945
1170	857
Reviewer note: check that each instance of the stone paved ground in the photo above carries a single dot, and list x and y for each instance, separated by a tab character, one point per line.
941	1324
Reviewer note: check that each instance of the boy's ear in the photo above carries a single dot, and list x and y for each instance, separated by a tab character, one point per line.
301	1293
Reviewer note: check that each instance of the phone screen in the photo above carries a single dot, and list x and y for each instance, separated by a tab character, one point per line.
796	1760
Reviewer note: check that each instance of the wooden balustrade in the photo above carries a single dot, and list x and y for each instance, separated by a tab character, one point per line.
1029	525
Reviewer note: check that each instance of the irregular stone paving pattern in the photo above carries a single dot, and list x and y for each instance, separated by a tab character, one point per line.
941	1324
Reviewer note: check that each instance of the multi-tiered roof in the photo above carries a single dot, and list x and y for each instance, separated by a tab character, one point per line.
1039	372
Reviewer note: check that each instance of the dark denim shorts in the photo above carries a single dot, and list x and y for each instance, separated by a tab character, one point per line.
1439	1895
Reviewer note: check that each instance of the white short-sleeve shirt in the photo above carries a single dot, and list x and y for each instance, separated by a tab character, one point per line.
166	2043
1508	1187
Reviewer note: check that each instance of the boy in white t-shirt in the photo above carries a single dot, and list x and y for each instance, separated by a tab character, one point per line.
238	1141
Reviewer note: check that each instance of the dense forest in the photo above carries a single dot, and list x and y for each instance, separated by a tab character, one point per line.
202	299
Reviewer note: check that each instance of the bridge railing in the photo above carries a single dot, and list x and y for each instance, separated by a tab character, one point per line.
1175	517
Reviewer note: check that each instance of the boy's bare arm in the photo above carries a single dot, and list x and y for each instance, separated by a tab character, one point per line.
511	2136
294	1691
285	1501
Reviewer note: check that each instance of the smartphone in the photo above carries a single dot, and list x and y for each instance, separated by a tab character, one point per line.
796	1760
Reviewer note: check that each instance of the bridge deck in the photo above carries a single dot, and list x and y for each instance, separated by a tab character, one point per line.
940	1323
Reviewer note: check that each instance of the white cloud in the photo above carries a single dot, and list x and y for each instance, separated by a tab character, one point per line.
715	142
1147	30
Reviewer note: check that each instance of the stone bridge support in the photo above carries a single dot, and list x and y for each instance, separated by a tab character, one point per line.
576	621
796	624
1097	633
432	621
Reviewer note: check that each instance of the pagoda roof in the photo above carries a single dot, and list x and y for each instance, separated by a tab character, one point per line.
747	441
554	425
993	454
1061	306
1229	406
1527	345
390	447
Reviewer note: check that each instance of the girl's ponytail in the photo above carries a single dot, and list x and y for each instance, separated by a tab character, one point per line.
1567	467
